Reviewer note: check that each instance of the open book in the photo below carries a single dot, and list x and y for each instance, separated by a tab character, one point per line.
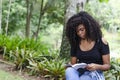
77	66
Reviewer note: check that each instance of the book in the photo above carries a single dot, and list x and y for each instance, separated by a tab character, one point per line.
77	66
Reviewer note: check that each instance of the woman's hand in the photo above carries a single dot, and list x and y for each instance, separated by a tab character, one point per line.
92	67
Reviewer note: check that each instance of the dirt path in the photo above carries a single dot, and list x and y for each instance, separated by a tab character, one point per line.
8	67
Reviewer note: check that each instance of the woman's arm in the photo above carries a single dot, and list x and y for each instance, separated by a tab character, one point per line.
105	58
73	60
106	61
104	67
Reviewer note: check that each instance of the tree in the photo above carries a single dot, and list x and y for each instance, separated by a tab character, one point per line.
72	7
0	16
28	17
7	21
48	9
42	11
17	16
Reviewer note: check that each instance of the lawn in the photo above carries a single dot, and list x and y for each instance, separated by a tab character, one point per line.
7	76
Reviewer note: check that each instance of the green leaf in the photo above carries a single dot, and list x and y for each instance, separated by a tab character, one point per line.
103	0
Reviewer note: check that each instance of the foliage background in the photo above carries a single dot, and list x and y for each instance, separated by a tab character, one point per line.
27	53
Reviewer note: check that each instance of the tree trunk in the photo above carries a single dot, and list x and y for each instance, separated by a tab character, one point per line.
0	16
28	17
40	17
81	4
65	46
72	7
7	21
42	11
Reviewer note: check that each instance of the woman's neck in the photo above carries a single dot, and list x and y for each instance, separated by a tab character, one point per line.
86	45
86	40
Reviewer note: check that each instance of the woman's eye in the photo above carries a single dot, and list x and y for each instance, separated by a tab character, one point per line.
81	29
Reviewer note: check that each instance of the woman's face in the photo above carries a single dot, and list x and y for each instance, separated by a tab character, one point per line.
81	31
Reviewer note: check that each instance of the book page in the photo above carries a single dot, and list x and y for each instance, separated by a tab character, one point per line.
79	65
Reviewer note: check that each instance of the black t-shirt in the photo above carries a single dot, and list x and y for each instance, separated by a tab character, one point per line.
92	56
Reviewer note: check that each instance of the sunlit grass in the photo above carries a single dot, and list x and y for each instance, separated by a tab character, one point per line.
114	41
7	76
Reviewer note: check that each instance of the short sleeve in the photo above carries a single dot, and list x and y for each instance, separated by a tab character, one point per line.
73	52
104	48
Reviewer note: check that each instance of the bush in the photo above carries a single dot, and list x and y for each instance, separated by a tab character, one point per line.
114	72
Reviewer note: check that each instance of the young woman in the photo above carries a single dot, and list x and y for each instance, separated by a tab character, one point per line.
87	46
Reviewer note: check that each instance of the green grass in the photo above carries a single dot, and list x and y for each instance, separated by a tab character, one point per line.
7	76
114	41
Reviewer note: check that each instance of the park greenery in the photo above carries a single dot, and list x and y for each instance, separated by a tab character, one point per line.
31	35
8	77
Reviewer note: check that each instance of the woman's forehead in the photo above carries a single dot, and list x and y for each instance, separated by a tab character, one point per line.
81	26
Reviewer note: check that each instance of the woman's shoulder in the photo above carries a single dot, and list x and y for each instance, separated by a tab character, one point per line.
104	47
104	41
